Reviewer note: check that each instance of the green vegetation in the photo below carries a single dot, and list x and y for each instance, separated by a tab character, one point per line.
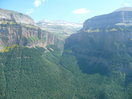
7	49
95	64
85	70
31	38
106	57
29	73
35	73
15	23
29	26
92	30
7	22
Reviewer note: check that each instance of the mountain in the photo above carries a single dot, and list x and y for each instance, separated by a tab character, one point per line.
96	62
124	9
19	29
121	17
29	60
60	26
104	47
12	16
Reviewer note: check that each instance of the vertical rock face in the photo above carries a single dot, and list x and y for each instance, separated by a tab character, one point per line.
25	36
102	46
121	16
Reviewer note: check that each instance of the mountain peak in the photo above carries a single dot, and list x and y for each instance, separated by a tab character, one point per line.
13	16
124	9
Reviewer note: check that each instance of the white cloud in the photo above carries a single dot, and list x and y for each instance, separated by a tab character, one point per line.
29	11
37	3
81	11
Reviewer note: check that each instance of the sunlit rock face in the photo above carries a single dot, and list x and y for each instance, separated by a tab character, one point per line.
19	29
121	16
25	36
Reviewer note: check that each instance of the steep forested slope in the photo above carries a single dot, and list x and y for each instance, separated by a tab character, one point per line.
31	73
34	73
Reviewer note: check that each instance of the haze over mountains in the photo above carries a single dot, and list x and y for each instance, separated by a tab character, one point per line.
93	63
60	26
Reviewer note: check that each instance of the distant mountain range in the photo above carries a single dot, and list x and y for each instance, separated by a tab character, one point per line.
60	26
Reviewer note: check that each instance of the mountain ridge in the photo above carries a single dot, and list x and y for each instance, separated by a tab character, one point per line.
109	20
124	9
13	16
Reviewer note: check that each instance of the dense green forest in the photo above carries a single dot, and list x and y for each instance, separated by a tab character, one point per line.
38	73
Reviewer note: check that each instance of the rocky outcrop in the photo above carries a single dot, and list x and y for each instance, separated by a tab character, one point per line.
121	16
14	17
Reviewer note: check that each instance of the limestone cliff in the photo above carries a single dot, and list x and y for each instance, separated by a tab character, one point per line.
19	29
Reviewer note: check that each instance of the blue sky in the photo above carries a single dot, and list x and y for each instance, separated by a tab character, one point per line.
70	10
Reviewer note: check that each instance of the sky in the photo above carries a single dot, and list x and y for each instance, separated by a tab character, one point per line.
69	10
